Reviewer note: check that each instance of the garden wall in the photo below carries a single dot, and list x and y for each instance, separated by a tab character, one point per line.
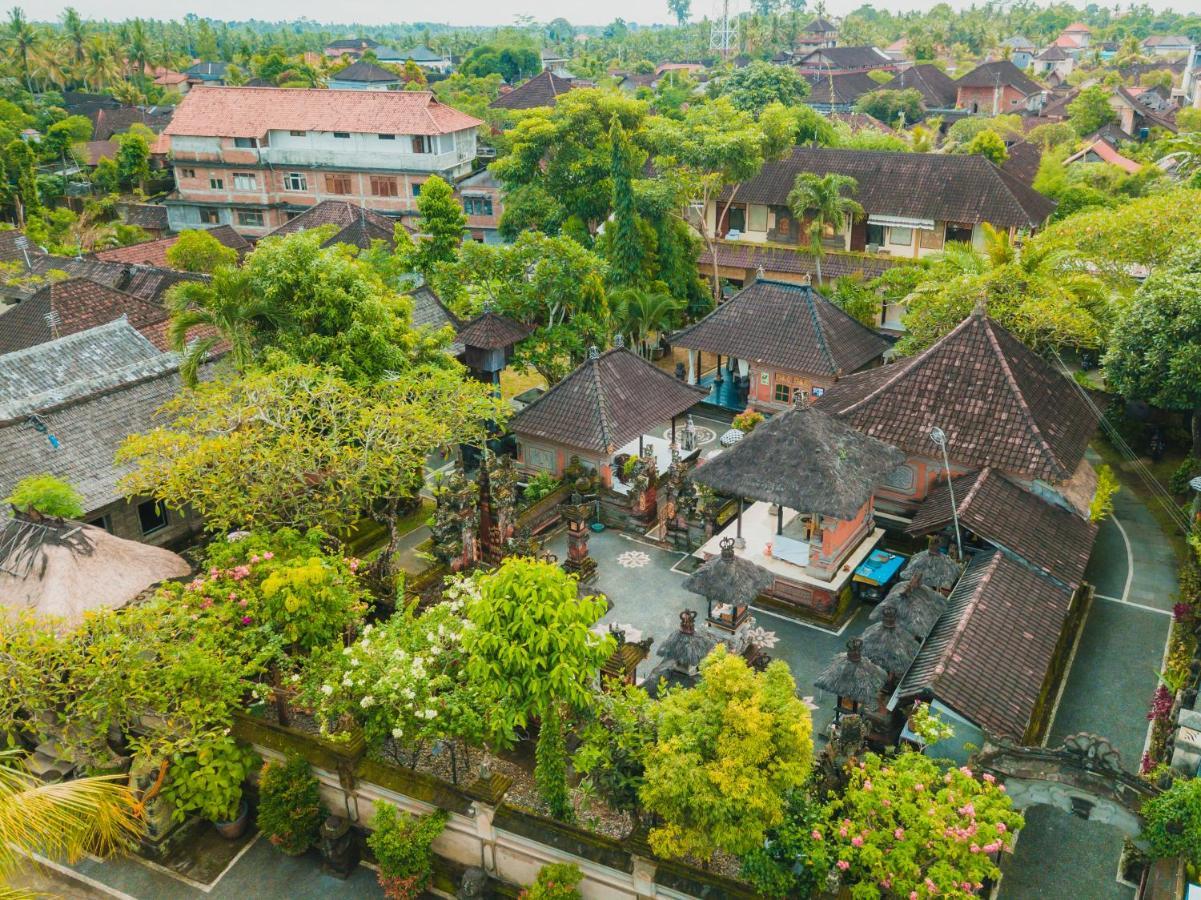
510	844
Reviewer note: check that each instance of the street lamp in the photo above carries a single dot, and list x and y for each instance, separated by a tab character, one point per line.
940	437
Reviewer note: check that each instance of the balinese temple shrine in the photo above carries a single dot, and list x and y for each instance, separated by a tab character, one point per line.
805	483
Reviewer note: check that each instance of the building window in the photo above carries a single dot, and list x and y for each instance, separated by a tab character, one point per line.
245	143
783	393
959	233
900	237
875	234
105	522
930	240
416	190
245	181
210	217
337	184
187	173
387	137
342	135
250	217
152	516
477	206
295	181
383	186
757	218
216	184
422	144
299	133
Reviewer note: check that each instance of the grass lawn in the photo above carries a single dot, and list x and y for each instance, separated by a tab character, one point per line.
515	381
368	535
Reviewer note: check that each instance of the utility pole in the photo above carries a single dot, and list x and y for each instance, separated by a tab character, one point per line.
723	34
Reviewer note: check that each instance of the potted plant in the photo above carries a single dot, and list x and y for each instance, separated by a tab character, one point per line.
402	845
289	804
209	782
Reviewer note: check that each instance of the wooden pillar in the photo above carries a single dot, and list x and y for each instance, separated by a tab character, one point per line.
738	541
779	519
717	379
673	430
693	365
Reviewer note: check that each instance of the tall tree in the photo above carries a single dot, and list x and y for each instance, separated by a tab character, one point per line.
825	200
22	40
642	316
76	32
1155	349
626	254
441	225
1091	109
681	9
22	169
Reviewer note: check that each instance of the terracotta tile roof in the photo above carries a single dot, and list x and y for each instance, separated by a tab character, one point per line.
785	260
941	186
999	403
605	403
937	88
491	331
1042	534
146	282
785	326
168	78
839	89
154	253
819	25
366	72
990	652
1106	151
109	122
357	225
74	305
857	121
541	90
845	58
352	44
94	151
1023	162
430	312
1002	72
9	251
151	216
252	112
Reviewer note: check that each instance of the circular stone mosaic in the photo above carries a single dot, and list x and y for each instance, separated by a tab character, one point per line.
703	435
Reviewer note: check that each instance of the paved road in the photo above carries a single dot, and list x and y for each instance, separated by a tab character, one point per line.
1108	690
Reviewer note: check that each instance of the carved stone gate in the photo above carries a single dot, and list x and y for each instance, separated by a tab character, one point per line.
1083	776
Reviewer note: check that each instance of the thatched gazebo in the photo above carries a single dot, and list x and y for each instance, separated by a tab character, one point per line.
936	569
729	585
889	645
59	569
685	649
916	606
853	679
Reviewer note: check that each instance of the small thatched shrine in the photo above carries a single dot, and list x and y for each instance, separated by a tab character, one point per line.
811	479
936	569
59	569
915	606
729	585
855	680
889	645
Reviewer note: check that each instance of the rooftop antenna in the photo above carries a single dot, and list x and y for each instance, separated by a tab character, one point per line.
22	244
53	321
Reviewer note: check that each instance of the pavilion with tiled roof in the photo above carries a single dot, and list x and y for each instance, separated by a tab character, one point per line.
544	89
608	403
430	312
356	225
63	308
788	338
996	655
937	88
154	253
1045	536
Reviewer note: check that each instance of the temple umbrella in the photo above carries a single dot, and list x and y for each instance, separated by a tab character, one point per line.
686	648
937	570
852	677
917	607
889	645
729	580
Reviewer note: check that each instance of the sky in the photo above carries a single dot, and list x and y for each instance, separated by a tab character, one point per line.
460	12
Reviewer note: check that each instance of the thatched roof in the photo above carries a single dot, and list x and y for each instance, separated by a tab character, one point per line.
686	648
937	570
729	579
803	459
889	645
853	676
62	570
917	606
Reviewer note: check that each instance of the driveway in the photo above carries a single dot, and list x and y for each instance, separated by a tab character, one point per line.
1108	690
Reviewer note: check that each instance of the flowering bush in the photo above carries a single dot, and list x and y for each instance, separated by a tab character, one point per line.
405	679
289	805
747	420
555	881
794	861
283	585
910	828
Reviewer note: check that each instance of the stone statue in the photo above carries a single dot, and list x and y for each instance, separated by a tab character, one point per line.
474	885
339	849
145	780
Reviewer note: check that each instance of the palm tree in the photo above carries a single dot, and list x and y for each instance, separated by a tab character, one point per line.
21	40
47	59
227	309
76	32
63	820
643	316
138	50
823	200
101	66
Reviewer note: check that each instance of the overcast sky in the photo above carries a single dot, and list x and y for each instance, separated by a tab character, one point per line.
460	12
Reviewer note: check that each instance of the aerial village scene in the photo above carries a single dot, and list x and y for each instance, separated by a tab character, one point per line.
716	449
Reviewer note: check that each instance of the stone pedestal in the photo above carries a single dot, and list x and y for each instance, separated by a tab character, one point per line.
578	562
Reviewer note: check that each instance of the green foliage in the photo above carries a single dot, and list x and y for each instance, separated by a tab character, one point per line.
1184	473
198	251
888	106
402	844
47	495
1101	506
21	165
1189	119
531	644
794	860
539	486
990	145
856	298
756	86
747	420
441	226
928	725
208	781
728	755
868	139
470	93
1173	822
133	157
1091	109
558	881
106	177
826	202
615	737
1052	134
626	246
908	824
812	127
550	768
1006	125
512	63
290	811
